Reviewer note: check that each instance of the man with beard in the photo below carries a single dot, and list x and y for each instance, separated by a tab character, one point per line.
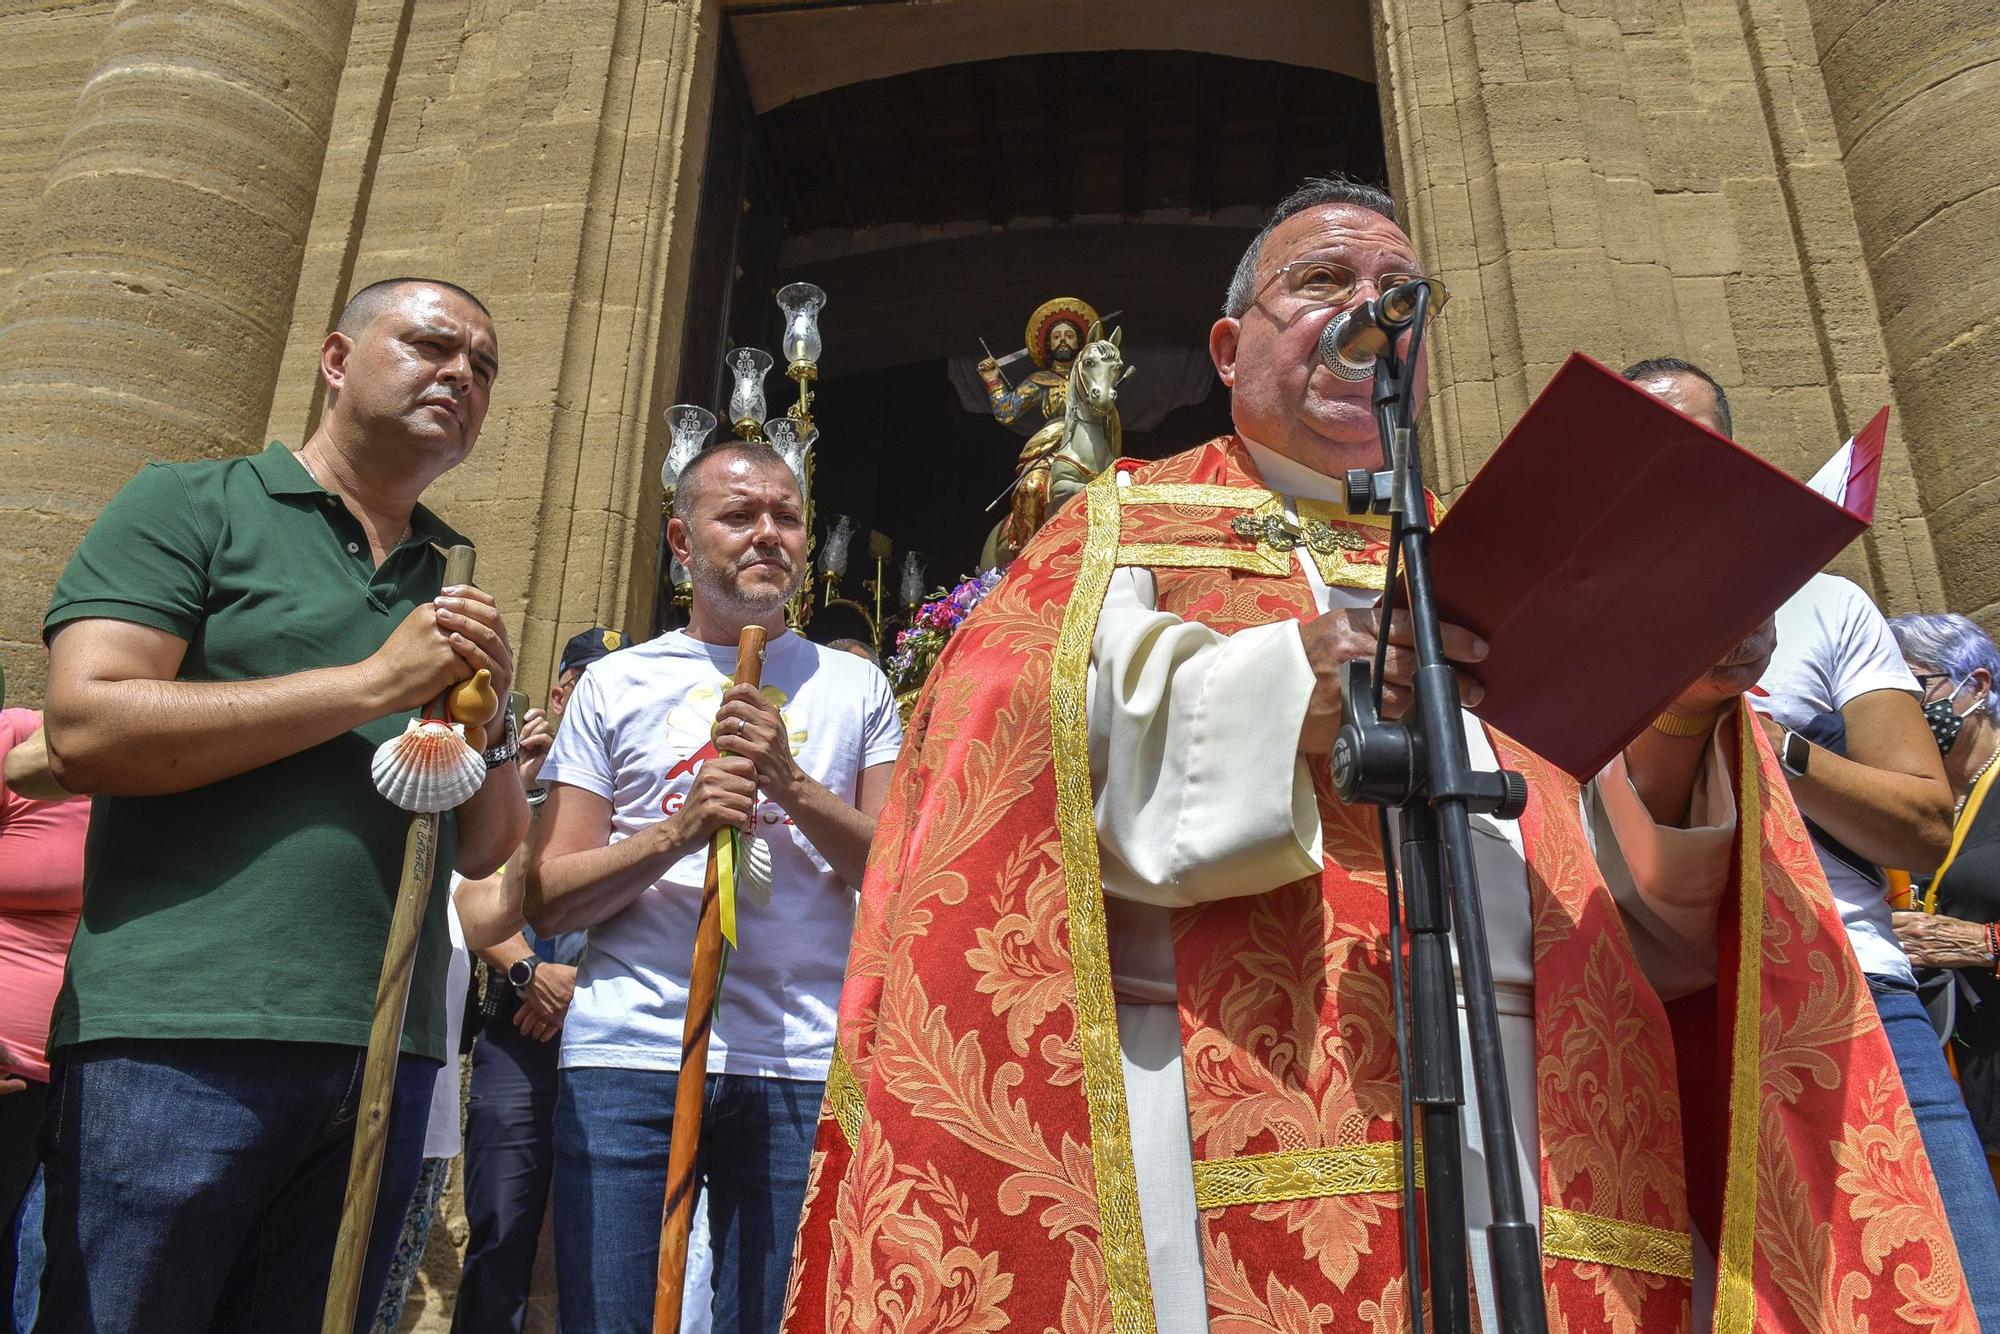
1056	333
806	769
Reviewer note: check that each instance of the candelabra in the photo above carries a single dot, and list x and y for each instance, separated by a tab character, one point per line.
793	435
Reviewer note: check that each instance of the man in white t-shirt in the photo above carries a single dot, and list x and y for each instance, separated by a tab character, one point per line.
636	789
1844	715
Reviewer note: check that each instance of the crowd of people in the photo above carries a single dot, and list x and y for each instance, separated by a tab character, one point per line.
1070	1010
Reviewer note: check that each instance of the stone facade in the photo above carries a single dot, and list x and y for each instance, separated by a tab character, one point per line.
1799	194
184	206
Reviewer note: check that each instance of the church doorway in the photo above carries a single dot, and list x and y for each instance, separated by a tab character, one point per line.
938	207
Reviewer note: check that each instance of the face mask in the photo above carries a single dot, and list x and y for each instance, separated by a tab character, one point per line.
1946	722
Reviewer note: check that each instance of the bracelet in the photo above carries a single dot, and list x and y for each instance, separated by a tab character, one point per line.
1993	946
1679	724
537	795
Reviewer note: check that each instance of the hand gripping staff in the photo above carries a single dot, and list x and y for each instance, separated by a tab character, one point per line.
703	977
392	992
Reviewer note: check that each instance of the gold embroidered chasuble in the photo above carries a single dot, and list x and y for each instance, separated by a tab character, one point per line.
973	1168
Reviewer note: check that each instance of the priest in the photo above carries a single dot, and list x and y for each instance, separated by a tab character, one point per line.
1116	1046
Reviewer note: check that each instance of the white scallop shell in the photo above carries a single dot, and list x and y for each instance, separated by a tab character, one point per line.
430	767
753	870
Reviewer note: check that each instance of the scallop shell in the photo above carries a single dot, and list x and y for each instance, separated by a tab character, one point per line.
428	768
753	871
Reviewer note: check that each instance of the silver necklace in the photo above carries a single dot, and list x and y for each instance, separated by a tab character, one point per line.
330	491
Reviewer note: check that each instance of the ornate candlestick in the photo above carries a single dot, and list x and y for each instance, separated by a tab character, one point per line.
802	303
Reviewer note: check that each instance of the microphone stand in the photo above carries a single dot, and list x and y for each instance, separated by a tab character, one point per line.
1419	766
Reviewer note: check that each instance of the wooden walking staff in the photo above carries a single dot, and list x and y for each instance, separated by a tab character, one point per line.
703	977
385	1039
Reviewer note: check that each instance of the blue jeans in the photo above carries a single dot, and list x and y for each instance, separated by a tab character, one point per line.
509	1156
1964	1182
26	1296
612	1131
196	1185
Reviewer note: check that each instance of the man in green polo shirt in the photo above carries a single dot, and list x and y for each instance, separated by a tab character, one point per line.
229	645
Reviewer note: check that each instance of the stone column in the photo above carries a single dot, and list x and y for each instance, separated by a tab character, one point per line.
1632	179
548	158
1915	94
148	313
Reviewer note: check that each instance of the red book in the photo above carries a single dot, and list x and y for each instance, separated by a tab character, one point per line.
1613	550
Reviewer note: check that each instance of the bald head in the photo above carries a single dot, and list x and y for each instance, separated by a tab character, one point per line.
373	301
716	462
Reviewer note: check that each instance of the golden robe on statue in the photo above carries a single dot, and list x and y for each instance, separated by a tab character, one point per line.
974	1168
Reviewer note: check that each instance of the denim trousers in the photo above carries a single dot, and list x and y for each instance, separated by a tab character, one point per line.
509	1158
612	1132
196	1185
1971	1206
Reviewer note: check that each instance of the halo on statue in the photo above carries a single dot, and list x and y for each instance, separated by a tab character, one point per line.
1061	310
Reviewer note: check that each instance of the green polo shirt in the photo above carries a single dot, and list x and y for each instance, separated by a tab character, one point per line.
256	907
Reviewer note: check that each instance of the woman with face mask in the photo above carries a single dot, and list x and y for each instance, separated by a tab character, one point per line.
1958	929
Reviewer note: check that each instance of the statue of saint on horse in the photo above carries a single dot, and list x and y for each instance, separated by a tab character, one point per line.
1060	459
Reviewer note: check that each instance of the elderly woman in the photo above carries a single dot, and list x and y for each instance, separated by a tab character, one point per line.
1957	664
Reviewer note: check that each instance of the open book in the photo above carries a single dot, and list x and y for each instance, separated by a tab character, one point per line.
1612	550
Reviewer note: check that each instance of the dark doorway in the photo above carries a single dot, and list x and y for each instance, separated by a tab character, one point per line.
939	208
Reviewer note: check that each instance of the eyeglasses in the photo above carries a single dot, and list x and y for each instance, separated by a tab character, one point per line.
1322	282
1925	680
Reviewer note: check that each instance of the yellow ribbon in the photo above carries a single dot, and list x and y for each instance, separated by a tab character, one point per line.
725	880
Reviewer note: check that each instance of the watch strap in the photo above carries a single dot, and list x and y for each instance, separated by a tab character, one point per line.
509	747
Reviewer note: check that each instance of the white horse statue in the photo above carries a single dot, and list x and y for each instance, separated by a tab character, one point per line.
1060	459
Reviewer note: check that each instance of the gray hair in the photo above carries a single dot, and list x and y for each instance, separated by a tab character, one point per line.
1951	643
1316	192
690	485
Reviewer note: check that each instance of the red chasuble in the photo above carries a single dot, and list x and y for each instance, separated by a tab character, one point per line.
973	1169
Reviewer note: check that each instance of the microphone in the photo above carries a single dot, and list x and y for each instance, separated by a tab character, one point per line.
1353	339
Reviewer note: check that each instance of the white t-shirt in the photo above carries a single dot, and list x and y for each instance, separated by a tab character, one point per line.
633	734
1834	647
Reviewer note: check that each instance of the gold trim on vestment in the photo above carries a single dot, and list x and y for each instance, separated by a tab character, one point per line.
1735	1297
1189	556
1375	1168
1120	1235
1194	495
1574	1235
1323	531
843	1097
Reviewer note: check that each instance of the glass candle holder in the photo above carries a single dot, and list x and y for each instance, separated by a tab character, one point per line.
801	303
783	435
911	588
833	555
748	365
689	425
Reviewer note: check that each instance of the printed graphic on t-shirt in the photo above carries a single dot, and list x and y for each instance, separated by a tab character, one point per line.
691	724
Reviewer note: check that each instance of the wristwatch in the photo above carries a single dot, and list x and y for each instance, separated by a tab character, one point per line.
509	747
521	973
1794	753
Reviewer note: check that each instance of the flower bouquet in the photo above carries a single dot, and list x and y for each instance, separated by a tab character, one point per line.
931	625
